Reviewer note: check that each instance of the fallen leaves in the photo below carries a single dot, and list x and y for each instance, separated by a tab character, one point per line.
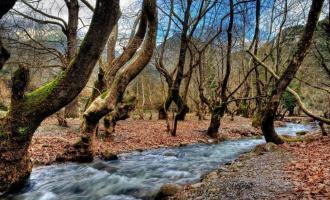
51	140
310	171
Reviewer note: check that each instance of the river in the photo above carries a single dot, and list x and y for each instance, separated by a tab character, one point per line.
136	175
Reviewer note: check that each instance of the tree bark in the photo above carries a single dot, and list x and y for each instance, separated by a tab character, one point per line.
112	98
72	109
174	95
257	115
267	125
121	113
220	107
27	111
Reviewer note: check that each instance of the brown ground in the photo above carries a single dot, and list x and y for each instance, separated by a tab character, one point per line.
50	140
291	171
310	170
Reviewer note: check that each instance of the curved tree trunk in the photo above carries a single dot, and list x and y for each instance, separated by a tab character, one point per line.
220	107
267	125
121	113
112	98
27	111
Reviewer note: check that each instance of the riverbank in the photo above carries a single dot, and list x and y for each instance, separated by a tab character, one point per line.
290	171
50	140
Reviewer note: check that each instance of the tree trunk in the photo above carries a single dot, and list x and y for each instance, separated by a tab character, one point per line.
15	162
61	119
183	109
220	107
122	113
216	116
27	111
267	125
112	98
256	122
174	95
72	109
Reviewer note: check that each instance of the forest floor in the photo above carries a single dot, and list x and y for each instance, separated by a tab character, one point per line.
299	170
50	140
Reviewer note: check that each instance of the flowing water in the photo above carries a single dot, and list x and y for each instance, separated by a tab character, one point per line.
136	175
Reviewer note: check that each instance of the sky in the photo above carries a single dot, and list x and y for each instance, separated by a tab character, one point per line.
298	10
125	3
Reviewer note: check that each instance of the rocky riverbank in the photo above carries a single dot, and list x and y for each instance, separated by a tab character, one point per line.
297	170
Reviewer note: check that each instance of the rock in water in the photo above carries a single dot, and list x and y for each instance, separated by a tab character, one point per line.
107	156
168	189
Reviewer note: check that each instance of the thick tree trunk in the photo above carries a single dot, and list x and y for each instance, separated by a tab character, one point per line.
15	137
122	113
267	125
112	98
27	111
216	116
15	162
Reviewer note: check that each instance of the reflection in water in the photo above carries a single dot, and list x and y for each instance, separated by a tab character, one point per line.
136	175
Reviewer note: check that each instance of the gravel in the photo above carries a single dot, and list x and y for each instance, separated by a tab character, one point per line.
256	175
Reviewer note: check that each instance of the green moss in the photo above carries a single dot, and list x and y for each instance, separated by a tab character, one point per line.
291	139
34	98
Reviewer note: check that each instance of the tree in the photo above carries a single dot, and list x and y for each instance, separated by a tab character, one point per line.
112	65
267	125
221	105
28	110
69	29
112	99
189	25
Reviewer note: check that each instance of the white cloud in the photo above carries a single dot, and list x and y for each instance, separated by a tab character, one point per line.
125	3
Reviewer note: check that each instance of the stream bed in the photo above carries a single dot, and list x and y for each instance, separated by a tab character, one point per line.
136	175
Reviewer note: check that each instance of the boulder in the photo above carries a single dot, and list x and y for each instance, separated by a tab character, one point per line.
168	189
107	156
268	147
